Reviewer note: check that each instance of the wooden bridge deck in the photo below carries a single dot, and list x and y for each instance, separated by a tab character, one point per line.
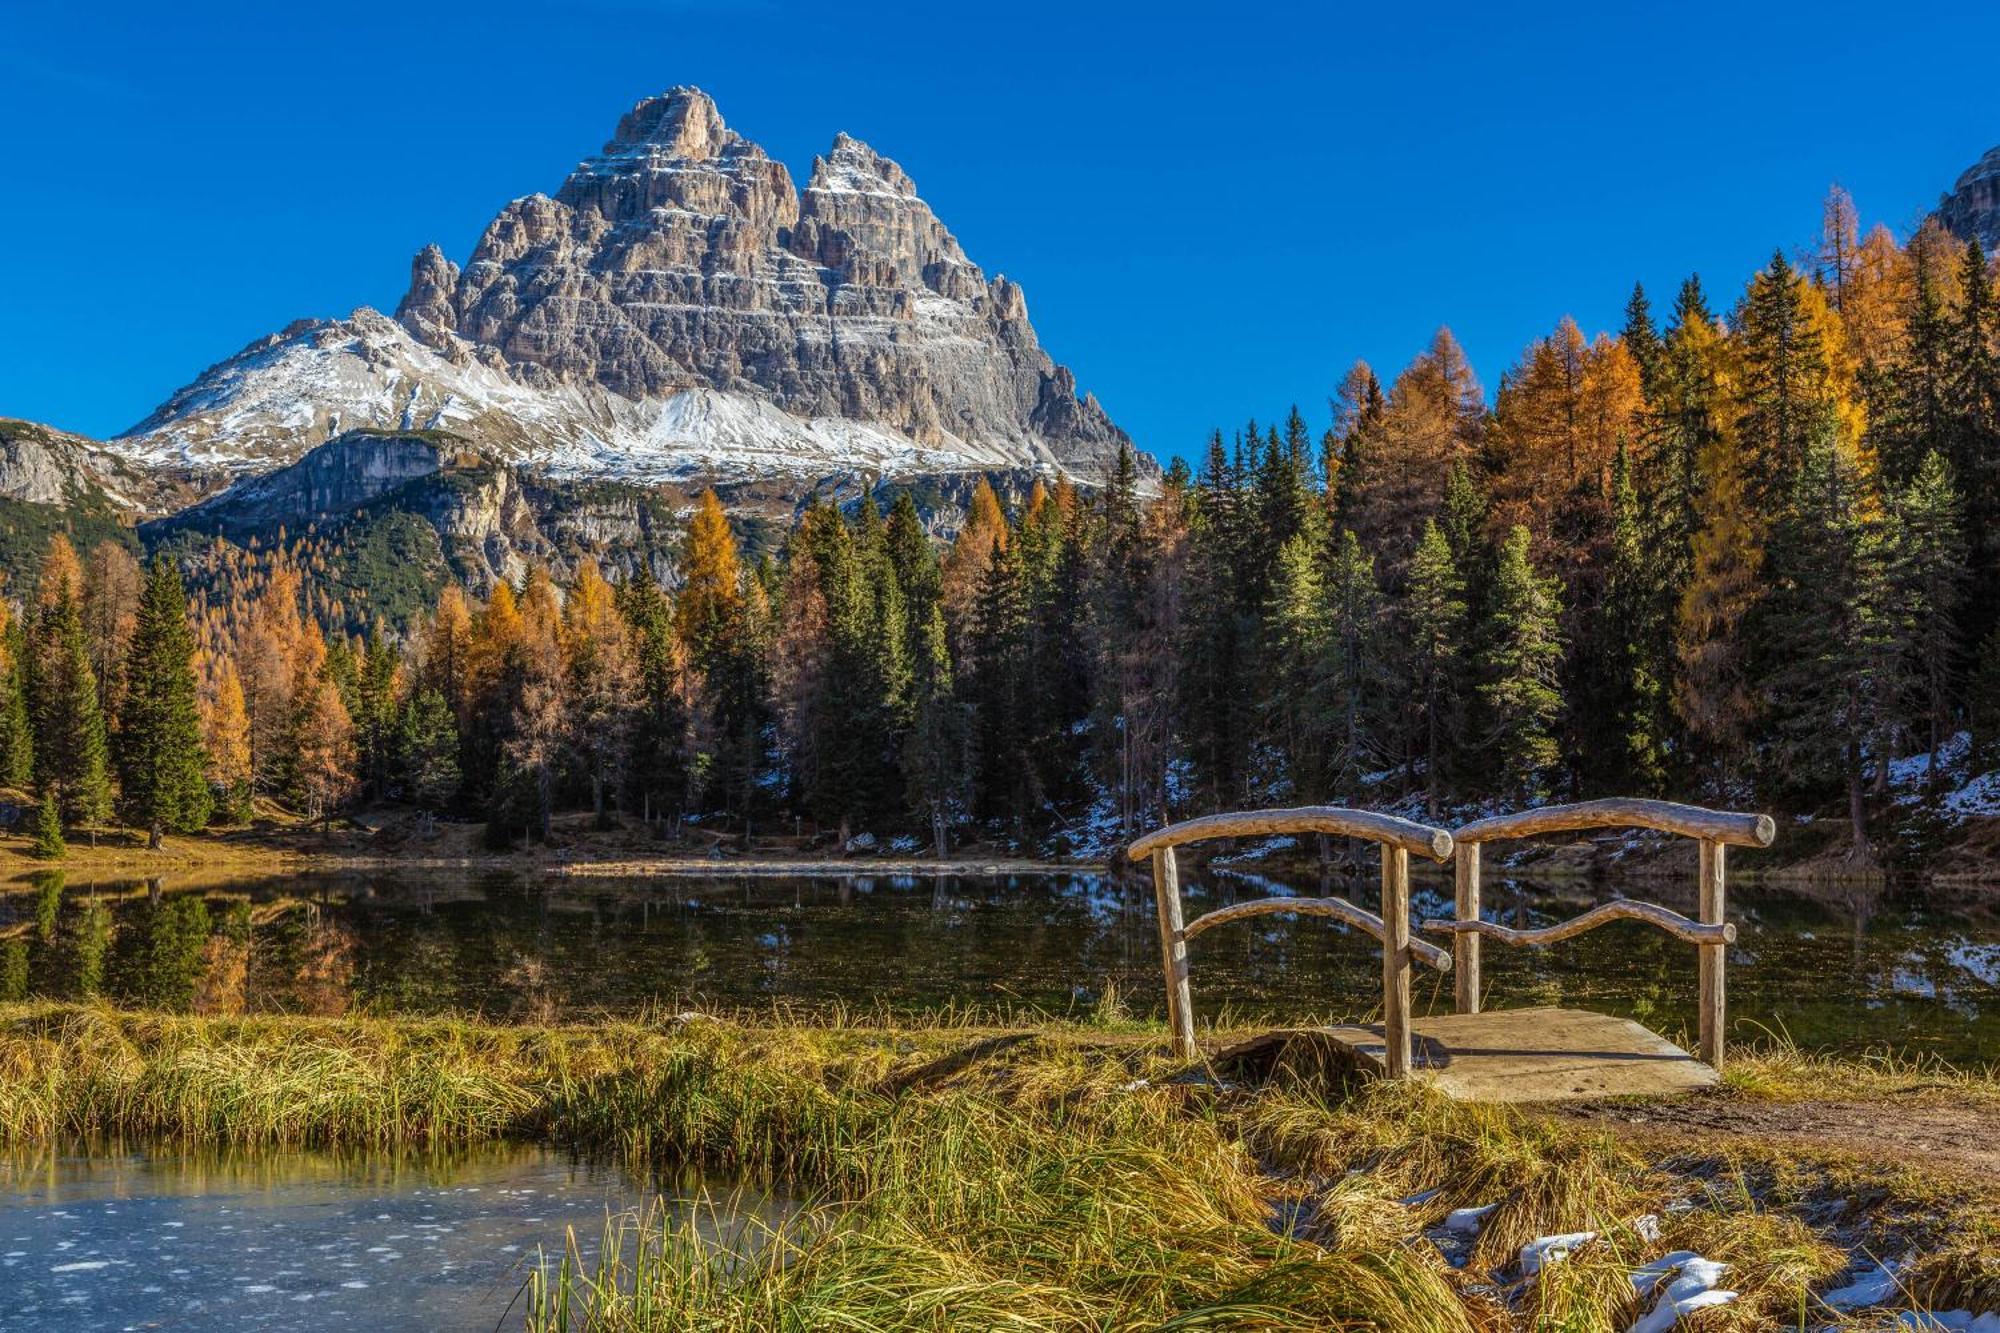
1506	1055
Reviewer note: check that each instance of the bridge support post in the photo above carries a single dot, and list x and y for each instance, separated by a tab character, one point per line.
1714	901
1396	961
1465	944
1173	951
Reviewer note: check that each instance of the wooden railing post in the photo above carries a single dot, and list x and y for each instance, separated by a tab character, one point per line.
1465	945
1714	901
1396	961
1173	951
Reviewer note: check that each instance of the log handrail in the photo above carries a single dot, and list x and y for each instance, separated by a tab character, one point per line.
1398	838
1389	830
1738	830
1676	925
1338	908
1715	830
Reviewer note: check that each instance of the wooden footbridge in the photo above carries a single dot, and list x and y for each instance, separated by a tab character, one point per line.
1474	1053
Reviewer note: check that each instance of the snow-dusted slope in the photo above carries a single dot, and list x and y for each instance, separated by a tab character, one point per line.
284	394
676	309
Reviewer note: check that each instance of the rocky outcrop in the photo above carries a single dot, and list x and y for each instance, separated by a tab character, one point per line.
1972	210
677	310
492	521
45	466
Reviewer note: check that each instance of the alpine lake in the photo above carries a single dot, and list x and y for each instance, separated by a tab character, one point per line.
116	1236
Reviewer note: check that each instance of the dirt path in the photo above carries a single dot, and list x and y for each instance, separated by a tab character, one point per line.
1928	1127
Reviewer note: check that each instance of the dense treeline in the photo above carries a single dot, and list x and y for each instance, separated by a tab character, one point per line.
1750	556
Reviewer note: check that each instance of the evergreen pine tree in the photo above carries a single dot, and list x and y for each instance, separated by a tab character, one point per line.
934	753
1215	670
48	844
1628	635
1641	339
1927	592
162	767
17	735
1974	396
1983	694
1355	681
999	686
1297	663
1520	663
426	744
1784	382
70	743
1821	634
1433	621
660	734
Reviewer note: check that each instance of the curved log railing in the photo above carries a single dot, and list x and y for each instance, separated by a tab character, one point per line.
1715	830
1338	908
1676	925
1390	831
1690	821
1397	837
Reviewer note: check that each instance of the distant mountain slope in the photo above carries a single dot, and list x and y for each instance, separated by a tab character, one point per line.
1972	209
678	310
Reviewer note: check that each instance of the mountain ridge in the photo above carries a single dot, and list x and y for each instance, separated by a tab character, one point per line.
676	310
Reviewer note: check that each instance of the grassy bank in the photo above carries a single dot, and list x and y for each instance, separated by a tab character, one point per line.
1061	1177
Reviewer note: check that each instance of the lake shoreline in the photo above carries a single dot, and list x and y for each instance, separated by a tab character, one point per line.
1021	1172
395	842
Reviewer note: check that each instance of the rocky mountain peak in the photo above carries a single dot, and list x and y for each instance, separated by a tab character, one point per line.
852	165
677	306
681	122
1972	209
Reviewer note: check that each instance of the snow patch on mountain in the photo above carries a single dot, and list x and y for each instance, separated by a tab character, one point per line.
286	393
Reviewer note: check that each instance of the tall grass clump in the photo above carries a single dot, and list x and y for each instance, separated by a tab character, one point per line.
1066	1176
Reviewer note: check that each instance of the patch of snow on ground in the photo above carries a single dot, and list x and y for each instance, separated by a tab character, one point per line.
1868	1287
1961	795
1949	1321
1693	1287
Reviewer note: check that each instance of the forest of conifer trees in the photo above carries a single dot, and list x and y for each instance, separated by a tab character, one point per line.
1748	555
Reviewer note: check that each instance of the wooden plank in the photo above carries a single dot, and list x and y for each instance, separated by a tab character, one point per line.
1338	908
1714	896
1396	961
1173	952
1507	1055
1694	932
1386	829
1742	830
1465	945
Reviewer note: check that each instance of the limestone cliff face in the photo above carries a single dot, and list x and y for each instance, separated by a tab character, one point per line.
45	466
677	309
492	520
1972	210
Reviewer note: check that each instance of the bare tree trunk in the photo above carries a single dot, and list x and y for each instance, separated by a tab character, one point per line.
1857	805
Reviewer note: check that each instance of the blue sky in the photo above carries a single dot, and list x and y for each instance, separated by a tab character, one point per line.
1214	210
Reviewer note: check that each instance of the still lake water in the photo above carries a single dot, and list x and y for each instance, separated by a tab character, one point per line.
114	1240
117	1240
1847	969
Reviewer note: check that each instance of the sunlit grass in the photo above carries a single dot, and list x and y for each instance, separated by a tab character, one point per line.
959	1174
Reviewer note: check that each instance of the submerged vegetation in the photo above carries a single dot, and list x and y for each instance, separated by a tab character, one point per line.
1065	1176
